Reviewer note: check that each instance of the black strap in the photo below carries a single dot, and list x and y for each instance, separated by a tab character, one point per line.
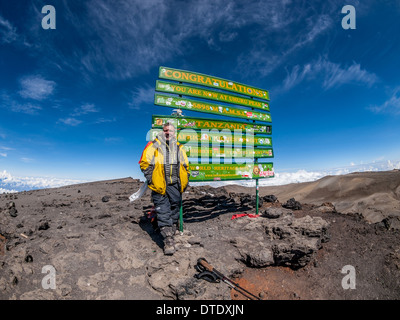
208	276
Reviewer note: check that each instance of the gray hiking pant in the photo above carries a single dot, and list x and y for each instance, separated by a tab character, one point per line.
167	206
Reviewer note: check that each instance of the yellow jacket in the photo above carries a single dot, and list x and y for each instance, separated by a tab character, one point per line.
152	165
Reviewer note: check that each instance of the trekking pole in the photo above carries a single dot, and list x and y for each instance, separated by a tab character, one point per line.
181	216
209	273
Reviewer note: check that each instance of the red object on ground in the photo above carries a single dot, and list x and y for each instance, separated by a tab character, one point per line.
239	215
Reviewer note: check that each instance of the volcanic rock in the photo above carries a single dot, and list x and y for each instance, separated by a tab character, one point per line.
292	204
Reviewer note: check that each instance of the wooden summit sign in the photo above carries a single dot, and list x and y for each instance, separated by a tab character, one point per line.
227	152
194	105
210	81
218	139
167	87
204	123
226	137
216	172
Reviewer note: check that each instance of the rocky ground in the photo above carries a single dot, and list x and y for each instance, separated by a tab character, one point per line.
92	243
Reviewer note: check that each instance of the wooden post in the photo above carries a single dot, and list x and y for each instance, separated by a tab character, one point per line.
257	197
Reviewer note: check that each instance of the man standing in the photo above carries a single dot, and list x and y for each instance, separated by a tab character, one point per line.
166	169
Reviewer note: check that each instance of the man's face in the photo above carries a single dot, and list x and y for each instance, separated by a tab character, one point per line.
169	132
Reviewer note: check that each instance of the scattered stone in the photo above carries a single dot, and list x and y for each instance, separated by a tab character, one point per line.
292	204
247	200
104	215
270	198
391	223
13	212
73	235
44	226
274	213
258	256
105	198
326	207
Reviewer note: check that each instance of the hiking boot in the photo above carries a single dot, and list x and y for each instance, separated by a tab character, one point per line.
169	246
169	243
166	232
175	229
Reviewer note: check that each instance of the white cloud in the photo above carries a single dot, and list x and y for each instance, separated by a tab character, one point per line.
307	26
8	33
316	28
85	109
132	37
27	108
6	148
142	95
70	121
10	183
105	120
392	105
15	106
36	88
27	160
336	75
125	39
283	178
332	74
7	190
113	139
2	154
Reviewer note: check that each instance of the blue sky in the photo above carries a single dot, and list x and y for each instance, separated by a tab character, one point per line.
76	102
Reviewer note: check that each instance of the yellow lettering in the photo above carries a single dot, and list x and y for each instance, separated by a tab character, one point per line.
185	76
208	81
169	75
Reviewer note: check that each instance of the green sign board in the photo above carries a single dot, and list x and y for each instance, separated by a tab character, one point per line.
195	105
206	138
203	123
209	94
216	172
224	152
209	81
215	137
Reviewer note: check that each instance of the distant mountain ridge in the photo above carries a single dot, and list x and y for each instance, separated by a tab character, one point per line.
375	195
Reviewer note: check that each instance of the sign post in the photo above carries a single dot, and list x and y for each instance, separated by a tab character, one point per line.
234	147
